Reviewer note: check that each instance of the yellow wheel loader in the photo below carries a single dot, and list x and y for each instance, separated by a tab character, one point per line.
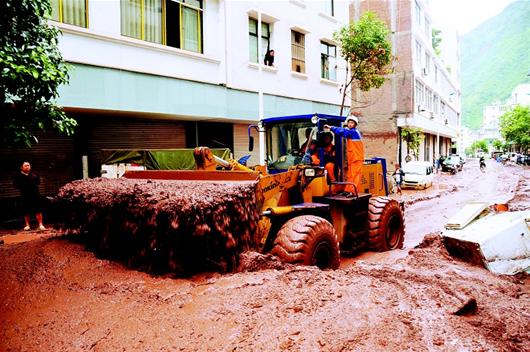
304	218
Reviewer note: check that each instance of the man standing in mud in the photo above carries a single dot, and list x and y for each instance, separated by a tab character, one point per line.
27	182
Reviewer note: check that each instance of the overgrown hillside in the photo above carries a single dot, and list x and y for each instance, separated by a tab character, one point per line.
495	59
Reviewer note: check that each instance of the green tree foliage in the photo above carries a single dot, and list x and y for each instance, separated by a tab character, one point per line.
366	47
497	144
481	145
495	59
31	69
436	40
515	126
413	138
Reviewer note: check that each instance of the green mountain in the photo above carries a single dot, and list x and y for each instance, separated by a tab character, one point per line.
495	59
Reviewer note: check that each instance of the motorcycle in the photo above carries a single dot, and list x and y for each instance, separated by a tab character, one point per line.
482	164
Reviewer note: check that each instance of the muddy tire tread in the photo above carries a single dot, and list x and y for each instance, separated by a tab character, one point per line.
296	240
380	209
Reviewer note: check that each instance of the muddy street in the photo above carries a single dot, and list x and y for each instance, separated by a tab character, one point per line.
57	296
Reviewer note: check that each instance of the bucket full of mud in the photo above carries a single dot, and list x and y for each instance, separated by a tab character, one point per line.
165	221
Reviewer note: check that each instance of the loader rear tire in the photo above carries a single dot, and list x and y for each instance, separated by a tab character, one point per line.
308	240
386	226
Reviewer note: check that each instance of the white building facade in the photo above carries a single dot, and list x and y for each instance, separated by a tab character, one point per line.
182	73
490	128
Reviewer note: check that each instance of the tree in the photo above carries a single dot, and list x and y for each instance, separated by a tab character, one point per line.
413	138
436	41
479	145
497	144
367	50
515	126
32	69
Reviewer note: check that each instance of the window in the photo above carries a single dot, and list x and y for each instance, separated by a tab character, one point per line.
427	29
329	7
427	63
298	52
442	109
428	96
419	93
417	13
175	23
328	59
253	39
70	12
418	52
435	103
435	74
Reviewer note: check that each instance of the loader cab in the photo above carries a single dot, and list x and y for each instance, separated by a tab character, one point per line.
288	138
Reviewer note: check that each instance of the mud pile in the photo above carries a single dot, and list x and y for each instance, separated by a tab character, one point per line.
425	302
161	226
521	199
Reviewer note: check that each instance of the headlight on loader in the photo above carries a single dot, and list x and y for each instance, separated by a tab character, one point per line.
309	172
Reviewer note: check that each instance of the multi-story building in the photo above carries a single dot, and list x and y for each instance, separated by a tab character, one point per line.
158	74
490	123
520	96
422	92
492	113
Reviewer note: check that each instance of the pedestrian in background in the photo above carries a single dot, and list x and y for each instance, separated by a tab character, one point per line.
398	175
436	163
27	182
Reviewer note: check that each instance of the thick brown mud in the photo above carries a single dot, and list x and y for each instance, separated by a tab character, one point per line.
58	296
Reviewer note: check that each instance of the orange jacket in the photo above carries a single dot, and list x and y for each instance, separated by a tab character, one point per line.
354	143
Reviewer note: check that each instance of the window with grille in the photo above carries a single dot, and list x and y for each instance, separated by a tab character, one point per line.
72	12
297	52
175	23
328	60
254	51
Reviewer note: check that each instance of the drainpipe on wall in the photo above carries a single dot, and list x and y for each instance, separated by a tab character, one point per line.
260	96
226	43
393	29
399	145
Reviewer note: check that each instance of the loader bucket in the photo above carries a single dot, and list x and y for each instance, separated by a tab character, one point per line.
193	175
166	221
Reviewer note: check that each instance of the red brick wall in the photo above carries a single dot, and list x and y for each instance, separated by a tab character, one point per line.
378	123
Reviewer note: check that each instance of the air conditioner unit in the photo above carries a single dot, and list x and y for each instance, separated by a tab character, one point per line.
421	108
424	71
432	115
446	121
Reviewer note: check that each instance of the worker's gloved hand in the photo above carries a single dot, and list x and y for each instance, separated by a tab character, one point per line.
306	159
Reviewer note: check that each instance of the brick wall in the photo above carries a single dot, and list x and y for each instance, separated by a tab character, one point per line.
380	107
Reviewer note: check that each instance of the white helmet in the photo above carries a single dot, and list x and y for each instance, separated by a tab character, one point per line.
353	118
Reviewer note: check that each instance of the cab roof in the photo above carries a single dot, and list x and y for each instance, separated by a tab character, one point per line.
300	118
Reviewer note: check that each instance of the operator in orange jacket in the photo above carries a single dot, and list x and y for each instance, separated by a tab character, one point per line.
354	153
328	153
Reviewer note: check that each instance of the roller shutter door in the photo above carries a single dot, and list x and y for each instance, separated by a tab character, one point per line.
130	134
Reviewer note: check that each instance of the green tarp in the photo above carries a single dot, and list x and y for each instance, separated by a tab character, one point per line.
158	159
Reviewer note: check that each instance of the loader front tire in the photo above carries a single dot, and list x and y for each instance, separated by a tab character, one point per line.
386	226
308	240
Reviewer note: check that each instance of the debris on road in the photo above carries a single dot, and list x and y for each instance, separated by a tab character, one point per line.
500	241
